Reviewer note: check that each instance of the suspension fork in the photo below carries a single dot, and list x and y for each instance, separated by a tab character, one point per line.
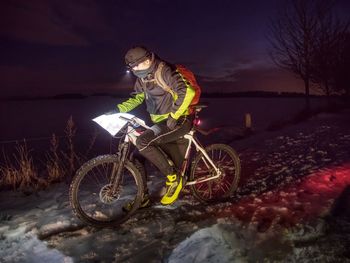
119	166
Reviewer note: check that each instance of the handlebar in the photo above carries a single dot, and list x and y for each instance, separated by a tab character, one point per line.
133	121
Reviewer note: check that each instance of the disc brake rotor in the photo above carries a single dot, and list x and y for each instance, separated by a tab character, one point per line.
107	196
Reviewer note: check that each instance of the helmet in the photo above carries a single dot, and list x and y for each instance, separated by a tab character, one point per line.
137	55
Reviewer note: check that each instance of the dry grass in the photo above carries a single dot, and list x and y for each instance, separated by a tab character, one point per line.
91	144
21	173
54	167
70	156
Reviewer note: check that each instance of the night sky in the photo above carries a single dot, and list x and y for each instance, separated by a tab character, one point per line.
50	47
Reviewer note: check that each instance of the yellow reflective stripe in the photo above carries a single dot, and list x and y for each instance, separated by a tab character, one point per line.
183	109
131	103
159	117
186	112
175	96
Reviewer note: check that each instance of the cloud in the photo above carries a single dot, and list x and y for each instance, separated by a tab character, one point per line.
53	22
251	79
24	81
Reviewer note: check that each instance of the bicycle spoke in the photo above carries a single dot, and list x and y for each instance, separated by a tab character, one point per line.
103	172
227	161
222	187
95	201
96	177
206	162
210	189
223	158
203	173
200	186
227	168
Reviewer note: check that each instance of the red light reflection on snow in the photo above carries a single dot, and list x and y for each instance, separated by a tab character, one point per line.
308	198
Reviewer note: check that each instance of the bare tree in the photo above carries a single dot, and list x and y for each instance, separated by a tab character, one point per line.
342	76
327	48
292	35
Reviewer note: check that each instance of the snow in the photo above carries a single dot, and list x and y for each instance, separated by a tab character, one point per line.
212	244
28	248
19	235
282	211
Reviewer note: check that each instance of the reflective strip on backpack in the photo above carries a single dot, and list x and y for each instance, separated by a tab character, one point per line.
190	93
160	81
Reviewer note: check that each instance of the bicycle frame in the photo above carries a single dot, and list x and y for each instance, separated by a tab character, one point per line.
208	162
114	181
132	135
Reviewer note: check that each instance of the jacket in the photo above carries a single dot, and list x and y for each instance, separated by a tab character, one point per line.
159	102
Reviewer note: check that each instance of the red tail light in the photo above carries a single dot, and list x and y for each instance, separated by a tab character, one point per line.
197	122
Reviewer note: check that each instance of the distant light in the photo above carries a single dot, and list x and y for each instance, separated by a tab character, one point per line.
128	71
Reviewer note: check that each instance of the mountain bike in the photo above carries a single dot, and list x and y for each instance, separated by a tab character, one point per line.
102	185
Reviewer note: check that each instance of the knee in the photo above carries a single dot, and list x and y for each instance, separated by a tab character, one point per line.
144	139
140	143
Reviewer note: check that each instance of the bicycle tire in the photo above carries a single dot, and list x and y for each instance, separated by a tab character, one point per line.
97	164
221	188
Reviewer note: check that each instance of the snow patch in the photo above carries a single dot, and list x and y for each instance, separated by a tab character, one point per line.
213	244
28	248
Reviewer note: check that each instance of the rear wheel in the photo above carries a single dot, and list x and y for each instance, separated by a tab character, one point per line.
227	160
91	192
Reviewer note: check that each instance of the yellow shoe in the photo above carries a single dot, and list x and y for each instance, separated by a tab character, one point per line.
174	186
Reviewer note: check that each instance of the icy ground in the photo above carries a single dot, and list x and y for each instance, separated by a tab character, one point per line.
293	205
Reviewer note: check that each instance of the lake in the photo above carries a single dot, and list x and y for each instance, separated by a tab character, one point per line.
36	120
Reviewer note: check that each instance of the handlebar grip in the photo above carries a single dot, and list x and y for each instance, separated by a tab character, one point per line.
132	121
125	119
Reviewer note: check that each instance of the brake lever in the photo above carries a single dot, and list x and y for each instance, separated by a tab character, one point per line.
132	121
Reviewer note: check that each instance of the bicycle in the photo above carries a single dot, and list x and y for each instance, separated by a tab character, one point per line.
105	183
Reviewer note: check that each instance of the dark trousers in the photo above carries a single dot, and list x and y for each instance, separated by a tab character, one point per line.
153	147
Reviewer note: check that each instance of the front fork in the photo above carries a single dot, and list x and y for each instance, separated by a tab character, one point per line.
119	166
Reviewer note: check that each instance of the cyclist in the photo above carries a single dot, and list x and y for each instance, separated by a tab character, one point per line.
169	112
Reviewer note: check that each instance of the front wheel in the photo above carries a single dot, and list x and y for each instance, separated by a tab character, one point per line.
93	198
227	160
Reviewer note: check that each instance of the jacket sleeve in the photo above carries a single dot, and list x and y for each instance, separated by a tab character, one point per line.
184	92
137	97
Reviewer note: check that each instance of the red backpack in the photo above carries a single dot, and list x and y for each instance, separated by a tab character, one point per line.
186	74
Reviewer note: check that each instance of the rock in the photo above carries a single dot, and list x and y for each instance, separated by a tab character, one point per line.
341	206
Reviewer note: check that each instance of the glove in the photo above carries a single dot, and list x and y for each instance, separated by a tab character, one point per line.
171	123
111	112
156	129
